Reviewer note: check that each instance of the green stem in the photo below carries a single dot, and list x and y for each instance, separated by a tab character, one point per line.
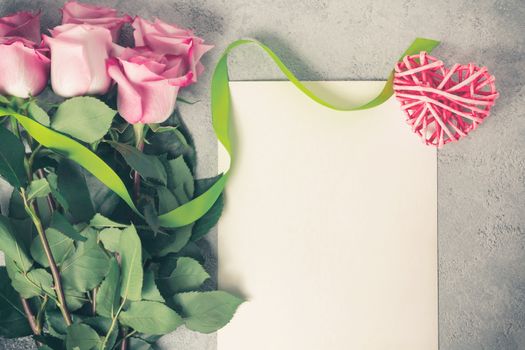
113	324
139	133
41	312
31	211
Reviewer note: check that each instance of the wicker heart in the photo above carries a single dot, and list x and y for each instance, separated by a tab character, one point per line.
443	105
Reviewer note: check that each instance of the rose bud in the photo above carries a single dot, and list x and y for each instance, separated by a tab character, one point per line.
180	46
24	66
22	24
25	69
106	17
78	59
147	87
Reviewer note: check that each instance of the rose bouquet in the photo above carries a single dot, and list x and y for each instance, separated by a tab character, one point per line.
89	265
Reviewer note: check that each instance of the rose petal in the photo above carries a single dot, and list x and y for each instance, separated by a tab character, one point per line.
24	70
129	100
159	98
70	74
139	72
79	54
21	24
105	17
75	10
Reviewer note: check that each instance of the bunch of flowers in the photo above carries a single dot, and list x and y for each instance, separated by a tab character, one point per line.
84	268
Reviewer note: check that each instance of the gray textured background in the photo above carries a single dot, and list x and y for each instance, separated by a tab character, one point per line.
481	179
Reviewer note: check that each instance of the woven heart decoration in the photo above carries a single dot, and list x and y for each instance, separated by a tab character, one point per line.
443	105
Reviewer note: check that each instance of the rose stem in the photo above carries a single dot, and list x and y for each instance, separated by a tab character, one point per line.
31	210
25	304
30	316
124	344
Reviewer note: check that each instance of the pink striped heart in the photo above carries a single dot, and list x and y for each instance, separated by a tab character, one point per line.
443	105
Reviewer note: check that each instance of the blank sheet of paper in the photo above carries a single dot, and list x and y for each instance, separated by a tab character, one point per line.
330	228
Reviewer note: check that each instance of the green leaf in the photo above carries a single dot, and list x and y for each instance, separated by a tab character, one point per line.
207	312
12	154
99	221
81	337
12	247
108	295
49	342
110	238
173	143
38	189
151	216
162	245
85	118
192	250
149	167
44	211
13	323
187	276
16	206
60	223
150	317
83	192
87	267
52	178
167	200
139	344
24	230
130	250
75	299
72	185
149	289
56	325
210	219
61	247
180	179
102	326
37	282
155	127
38	113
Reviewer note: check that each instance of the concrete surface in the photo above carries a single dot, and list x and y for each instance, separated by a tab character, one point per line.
481	179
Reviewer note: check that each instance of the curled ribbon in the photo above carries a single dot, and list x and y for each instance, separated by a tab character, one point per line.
221	117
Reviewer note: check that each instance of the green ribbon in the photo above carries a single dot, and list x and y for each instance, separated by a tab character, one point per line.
221	117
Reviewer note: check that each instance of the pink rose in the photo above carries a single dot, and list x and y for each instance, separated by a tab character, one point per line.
147	87
22	24
24	67
181	47
78	59
106	17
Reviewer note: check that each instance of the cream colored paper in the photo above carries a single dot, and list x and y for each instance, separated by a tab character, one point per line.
330	224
